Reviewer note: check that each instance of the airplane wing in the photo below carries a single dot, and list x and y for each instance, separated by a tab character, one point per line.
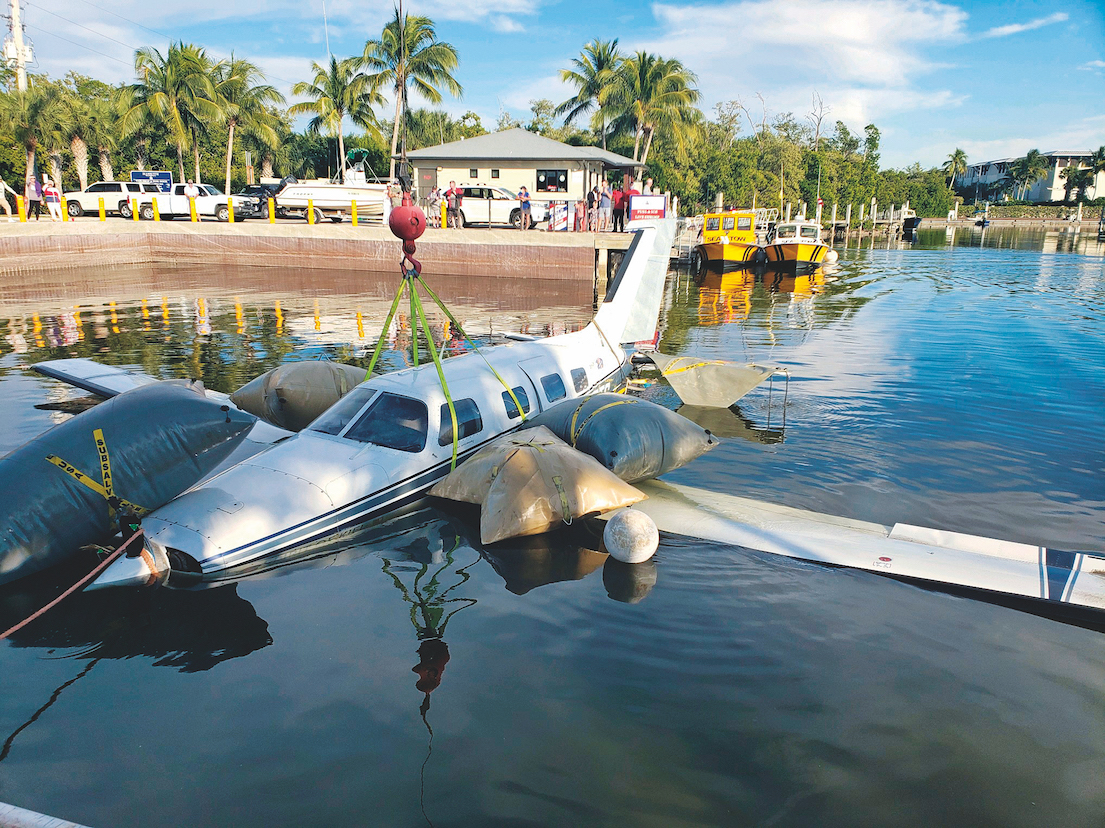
109	380
103	380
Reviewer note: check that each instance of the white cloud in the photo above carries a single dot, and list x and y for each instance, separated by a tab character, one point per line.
1084	134
863	57
550	86
506	25
1017	28
1093	66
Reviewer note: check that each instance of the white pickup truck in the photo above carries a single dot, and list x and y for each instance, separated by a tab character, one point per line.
211	202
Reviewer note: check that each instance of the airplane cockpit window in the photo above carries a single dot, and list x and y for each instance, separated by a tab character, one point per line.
392	422
554	387
523	400
579	380
469	421
337	416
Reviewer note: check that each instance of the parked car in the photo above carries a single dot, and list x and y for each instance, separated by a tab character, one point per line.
496	205
117	197
210	202
254	200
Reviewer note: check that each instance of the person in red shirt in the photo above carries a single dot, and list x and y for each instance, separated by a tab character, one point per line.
454	197
630	191
618	200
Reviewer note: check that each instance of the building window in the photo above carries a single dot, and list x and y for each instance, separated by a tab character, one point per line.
494	173
552	181
473	173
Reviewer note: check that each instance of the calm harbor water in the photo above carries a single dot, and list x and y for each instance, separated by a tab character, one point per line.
408	676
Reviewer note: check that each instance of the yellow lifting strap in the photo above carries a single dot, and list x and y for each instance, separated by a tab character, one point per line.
671	369
105	489
576	432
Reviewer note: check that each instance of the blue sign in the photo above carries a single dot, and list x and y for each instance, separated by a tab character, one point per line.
163	180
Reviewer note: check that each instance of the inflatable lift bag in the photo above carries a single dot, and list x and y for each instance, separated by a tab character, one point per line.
530	482
635	439
157	440
293	395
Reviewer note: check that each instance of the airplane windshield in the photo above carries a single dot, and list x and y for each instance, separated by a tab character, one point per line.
337	416
393	422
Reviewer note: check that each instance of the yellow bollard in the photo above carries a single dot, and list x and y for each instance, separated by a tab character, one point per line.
444	214
192	209
64	209
156	212
354	212
21	206
272	211
134	209
230	210
310	211
103	212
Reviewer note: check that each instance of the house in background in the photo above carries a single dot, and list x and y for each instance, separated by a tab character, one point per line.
986	180
549	169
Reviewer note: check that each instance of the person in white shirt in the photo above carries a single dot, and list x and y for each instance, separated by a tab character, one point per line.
4	190
192	192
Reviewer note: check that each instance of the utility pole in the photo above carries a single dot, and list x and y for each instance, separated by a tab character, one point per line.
16	51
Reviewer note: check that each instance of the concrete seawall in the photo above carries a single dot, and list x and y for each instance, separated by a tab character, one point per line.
39	246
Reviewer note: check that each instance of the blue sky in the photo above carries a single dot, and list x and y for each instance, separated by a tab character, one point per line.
995	78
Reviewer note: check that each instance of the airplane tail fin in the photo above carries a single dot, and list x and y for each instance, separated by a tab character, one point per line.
631	308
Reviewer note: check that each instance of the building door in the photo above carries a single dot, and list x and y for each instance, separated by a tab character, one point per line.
426	181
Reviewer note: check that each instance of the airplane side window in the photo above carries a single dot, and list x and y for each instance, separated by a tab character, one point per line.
512	409
469	421
554	387
579	380
392	422
337	416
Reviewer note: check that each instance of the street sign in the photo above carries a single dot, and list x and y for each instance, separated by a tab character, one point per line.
163	180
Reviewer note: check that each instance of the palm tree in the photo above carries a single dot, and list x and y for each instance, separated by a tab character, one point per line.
104	118
1077	180
173	91
593	77
408	54
243	101
651	94
339	90
23	115
955	166
1097	165
1034	166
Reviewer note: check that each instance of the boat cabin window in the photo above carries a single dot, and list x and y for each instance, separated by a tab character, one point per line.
744	223
579	380
393	422
469	421
554	387
808	231
338	416
512	409
785	231
727	223
713	223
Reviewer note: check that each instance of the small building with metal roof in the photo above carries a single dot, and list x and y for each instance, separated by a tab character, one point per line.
550	170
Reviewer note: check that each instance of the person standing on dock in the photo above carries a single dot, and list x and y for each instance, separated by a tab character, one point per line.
618	203
606	196
192	192
434	203
33	195
4	190
453	200
527	215
52	196
627	199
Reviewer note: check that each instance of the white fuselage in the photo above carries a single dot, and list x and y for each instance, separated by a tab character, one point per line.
386	442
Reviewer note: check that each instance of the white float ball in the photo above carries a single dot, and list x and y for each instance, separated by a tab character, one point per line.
631	536
831	257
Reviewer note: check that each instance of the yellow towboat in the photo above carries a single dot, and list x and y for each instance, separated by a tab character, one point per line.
729	236
796	244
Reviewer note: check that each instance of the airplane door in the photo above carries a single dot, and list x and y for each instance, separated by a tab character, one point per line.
535	369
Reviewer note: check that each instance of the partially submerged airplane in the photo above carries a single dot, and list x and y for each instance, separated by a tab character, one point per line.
386	442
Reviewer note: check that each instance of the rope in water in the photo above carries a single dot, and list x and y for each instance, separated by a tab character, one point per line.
76	587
